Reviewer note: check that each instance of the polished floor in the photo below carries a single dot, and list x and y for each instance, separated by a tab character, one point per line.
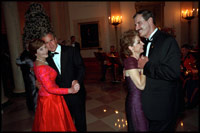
105	107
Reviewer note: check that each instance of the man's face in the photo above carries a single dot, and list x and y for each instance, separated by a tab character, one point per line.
73	39
142	26
50	42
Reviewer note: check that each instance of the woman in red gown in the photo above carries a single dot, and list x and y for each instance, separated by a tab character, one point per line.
52	113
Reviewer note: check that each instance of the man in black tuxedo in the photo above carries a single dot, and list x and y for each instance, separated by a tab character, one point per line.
161	65
74	43
70	67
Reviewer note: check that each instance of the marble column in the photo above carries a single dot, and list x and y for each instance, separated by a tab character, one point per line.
14	41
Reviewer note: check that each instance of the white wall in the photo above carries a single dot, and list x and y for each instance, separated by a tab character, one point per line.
195	28
127	12
86	12
172	18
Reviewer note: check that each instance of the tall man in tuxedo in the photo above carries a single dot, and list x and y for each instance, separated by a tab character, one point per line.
70	67
161	66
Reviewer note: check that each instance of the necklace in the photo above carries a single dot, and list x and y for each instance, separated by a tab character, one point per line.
42	61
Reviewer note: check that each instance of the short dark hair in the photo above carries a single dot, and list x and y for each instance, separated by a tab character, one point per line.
72	37
33	46
46	33
187	46
146	14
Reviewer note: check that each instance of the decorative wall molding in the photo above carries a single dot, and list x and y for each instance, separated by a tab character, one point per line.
99	20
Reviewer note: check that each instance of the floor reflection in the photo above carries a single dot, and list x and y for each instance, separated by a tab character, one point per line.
105	108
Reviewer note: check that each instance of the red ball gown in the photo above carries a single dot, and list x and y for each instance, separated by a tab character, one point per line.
52	113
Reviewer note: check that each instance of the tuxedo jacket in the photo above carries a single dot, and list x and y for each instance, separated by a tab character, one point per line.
159	98
77	45
72	68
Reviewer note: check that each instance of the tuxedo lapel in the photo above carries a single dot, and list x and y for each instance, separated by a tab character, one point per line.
52	64
151	48
63	58
145	48
154	42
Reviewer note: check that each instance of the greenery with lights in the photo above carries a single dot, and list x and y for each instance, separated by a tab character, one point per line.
37	23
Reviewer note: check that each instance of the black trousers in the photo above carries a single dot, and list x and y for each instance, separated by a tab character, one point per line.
77	108
162	125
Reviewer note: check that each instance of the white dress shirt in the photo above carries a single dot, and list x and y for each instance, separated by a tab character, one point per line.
149	44
56	58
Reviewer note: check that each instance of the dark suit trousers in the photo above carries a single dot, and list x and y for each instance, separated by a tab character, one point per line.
76	105
160	126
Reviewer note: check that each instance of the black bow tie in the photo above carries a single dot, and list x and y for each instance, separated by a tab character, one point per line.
52	54
147	40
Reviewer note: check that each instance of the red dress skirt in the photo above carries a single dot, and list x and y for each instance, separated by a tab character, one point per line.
52	113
